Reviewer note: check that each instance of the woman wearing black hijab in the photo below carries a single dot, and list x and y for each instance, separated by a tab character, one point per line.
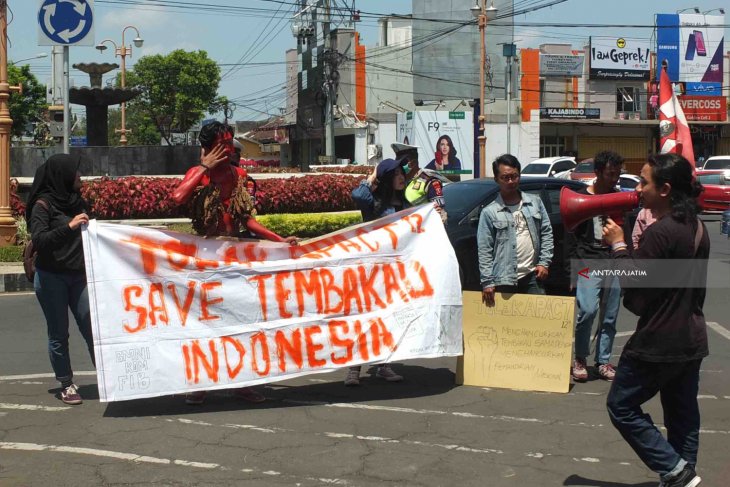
55	213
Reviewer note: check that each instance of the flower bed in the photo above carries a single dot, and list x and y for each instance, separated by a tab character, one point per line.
142	197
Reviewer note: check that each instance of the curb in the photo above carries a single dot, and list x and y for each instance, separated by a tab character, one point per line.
15	283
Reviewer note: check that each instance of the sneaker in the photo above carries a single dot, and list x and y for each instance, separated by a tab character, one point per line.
579	371
70	395
385	372
195	398
686	478
353	377
606	371
250	395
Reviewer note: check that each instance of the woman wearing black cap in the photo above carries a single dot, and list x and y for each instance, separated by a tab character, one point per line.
55	213
381	194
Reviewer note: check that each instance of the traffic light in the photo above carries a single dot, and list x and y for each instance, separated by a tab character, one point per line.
55	120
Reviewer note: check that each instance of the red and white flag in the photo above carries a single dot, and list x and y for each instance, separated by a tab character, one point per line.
673	128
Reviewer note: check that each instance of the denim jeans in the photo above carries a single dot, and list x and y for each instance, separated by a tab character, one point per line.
635	383
56	293
525	285
587	298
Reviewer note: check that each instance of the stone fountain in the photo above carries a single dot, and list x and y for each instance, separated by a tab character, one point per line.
97	100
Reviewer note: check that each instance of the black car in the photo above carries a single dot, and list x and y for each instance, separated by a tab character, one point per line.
464	203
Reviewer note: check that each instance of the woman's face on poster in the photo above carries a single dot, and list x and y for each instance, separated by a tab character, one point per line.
444	147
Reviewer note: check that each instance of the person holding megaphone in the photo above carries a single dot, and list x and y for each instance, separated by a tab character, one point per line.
665	352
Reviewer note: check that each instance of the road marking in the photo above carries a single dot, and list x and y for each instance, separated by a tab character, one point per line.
624	333
587	459
377	439
466	415
33	407
43	376
380	439
134	458
719	329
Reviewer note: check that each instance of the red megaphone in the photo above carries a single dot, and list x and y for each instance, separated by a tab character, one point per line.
575	208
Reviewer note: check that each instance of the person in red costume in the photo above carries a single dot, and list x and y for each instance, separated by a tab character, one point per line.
221	205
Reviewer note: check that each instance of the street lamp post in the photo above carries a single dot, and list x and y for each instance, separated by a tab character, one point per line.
483	14
37	56
123	51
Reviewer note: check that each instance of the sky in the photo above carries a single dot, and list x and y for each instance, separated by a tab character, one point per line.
264	35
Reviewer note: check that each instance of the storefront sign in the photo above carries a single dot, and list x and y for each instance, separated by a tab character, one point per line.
563	113
704	108
561	65
619	58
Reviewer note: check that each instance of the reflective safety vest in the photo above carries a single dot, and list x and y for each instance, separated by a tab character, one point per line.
417	189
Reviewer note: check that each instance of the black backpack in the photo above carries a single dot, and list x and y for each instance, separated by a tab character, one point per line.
29	253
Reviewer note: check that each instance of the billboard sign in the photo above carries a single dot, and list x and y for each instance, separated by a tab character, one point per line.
561	65
704	89
445	140
692	47
619	58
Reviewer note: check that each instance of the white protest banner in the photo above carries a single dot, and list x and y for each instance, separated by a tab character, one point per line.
173	313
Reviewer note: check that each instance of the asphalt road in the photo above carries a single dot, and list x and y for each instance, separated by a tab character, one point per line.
313	431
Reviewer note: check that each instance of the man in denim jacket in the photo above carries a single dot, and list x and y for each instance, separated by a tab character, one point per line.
514	239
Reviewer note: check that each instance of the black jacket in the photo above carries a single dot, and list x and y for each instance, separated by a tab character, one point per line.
59	248
671	325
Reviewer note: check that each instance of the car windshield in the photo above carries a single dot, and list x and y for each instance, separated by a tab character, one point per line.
723	163
460	198
584	168
536	169
628	183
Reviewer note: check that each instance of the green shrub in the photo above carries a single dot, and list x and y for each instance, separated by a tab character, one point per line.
300	224
22	234
307	225
11	253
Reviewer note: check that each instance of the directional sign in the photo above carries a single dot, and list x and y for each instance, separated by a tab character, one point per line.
66	23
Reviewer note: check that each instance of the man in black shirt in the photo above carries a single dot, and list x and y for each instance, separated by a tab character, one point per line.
587	243
665	352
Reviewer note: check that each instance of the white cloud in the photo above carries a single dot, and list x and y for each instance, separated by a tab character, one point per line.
140	18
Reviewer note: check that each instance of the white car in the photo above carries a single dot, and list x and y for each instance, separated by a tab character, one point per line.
626	182
549	167
716	162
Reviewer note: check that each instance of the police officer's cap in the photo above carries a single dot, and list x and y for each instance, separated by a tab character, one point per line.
398	148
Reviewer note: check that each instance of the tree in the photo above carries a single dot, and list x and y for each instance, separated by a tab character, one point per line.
30	106
177	89
143	130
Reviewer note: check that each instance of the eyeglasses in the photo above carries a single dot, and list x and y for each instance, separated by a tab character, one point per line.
509	177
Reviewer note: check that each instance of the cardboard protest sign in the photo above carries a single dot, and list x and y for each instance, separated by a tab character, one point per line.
523	342
173	313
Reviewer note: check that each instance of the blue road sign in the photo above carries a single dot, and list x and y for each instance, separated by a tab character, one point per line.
65	22
79	141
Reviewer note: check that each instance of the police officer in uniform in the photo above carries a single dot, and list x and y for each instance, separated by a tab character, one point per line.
422	185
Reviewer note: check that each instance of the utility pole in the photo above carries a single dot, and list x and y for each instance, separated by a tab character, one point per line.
66	106
7	222
329	85
483	14
509	51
